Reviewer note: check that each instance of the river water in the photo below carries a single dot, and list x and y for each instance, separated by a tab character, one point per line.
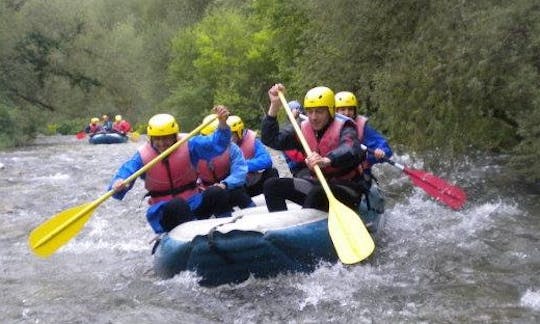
432	264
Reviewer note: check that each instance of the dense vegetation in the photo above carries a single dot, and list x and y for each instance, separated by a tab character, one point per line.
445	76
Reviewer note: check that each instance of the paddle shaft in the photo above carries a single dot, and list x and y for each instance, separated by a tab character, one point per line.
128	180
350	237
306	147
451	195
397	165
167	152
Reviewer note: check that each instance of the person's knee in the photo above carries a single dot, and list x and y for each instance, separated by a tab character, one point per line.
271	173
217	194
269	185
216	201
316	198
175	212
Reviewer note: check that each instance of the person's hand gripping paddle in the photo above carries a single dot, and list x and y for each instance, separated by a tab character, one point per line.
48	237
350	237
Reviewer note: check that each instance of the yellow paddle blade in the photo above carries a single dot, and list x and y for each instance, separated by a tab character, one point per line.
134	136
45	239
351	239
51	235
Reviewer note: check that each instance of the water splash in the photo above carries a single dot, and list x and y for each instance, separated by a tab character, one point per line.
531	299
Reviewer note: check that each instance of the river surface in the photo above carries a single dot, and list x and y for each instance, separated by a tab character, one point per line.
432	264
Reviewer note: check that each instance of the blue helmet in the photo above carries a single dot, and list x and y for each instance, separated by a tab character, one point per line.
295	105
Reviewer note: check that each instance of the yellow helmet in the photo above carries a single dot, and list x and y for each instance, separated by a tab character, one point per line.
104	117
210	128
118	117
161	125
237	125
346	99
94	120
320	97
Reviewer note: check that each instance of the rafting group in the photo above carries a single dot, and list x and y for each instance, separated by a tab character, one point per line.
107	131
204	191
227	165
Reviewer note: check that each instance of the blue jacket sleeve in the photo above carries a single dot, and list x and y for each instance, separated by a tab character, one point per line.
261	160
239	168
208	147
127	169
374	140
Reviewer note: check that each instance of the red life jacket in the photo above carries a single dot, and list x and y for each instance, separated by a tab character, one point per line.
328	142
182	178
215	170
361	122
116	127
248	144
125	126
122	126
94	128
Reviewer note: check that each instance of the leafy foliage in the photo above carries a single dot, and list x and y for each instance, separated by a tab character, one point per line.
446	77
17	127
224	59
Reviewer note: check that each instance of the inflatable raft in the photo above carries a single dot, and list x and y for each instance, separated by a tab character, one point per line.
108	138
254	242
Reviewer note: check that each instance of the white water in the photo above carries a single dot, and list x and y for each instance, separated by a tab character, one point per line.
432	264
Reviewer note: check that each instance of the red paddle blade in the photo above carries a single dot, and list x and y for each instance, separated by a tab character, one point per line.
80	135
441	190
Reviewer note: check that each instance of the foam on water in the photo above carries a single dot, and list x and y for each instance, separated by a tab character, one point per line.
432	264
335	283
52	178
84	246
531	299
482	216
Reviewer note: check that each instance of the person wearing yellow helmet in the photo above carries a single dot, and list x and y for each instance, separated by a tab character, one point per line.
227	171
172	182
237	127
335	149
120	125
259	161
378	148
93	127
210	128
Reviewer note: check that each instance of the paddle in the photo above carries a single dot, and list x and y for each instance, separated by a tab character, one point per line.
442	191
350	237
451	195
134	136
48	237
80	135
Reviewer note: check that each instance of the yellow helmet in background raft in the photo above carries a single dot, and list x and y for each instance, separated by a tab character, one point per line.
237	125
346	99
94	120
161	125
118	118
319	97
210	128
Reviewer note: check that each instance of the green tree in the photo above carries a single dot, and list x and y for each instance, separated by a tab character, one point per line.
466	79
226	58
